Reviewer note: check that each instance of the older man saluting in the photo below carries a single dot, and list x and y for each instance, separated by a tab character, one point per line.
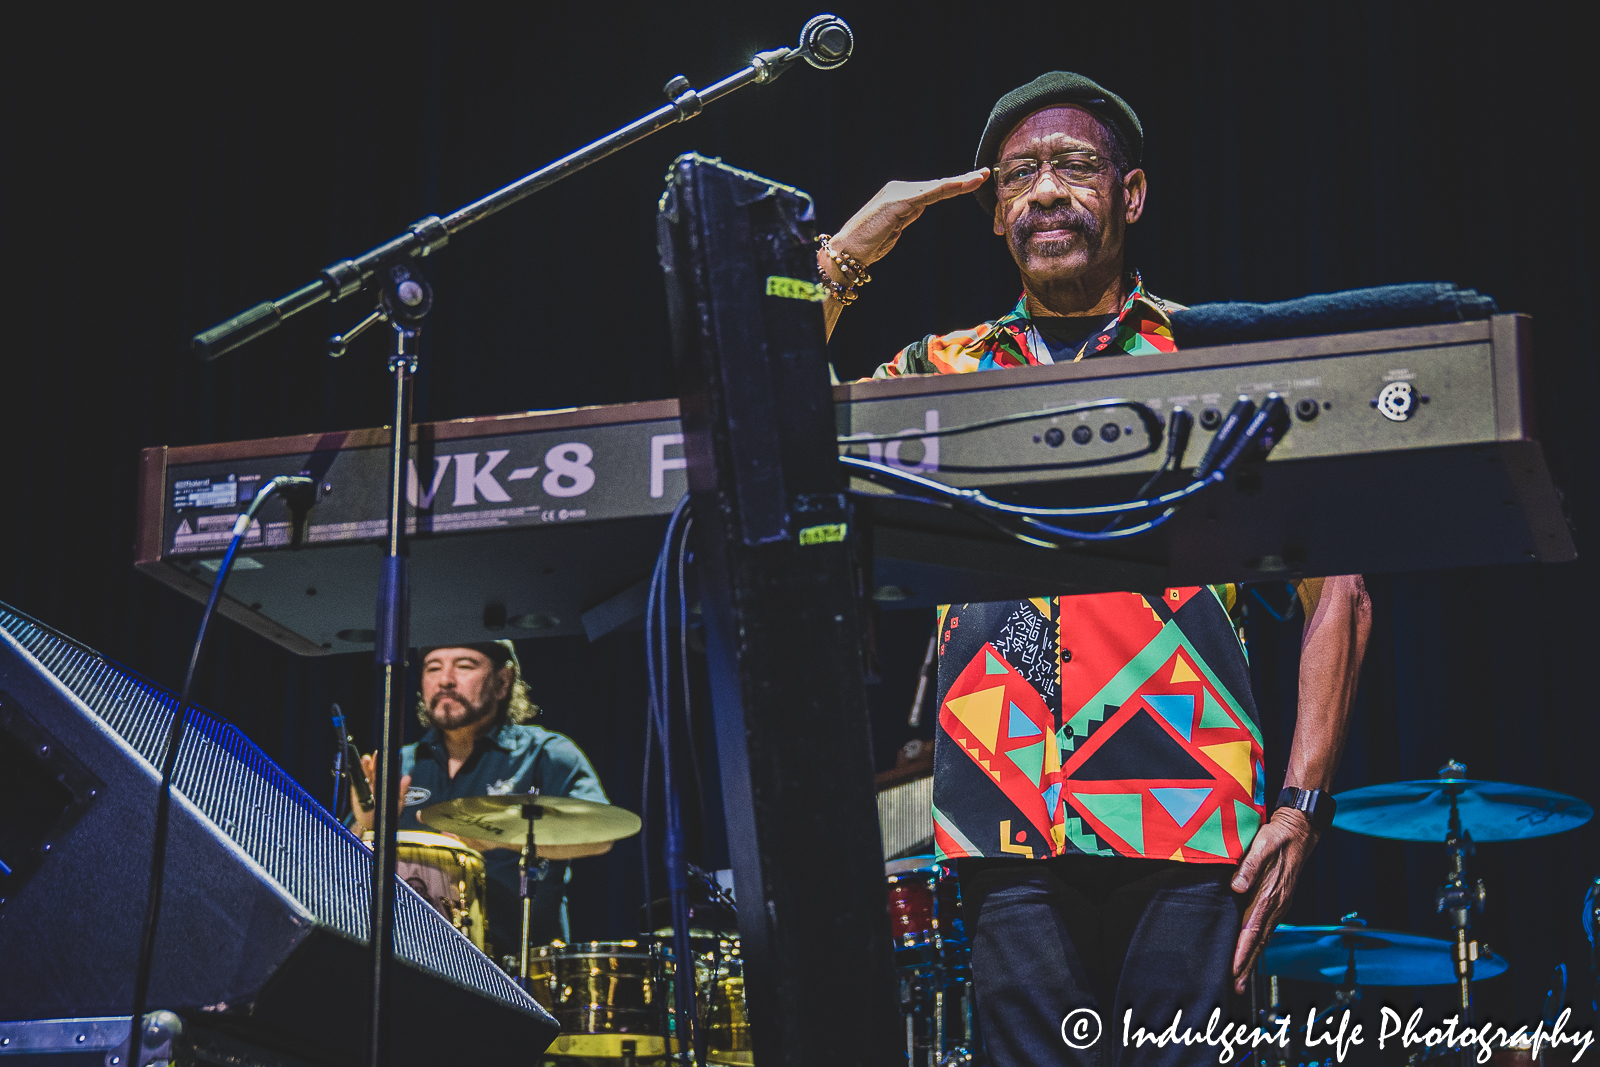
1099	773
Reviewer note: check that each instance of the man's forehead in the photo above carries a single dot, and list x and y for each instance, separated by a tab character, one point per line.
445	655
1066	122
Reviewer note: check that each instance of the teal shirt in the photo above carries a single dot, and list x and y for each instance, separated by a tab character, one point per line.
507	759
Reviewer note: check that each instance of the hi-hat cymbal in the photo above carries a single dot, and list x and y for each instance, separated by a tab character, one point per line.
1490	811
556	820
1382	957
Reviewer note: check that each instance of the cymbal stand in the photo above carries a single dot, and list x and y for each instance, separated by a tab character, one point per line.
1457	897
1270	1018
530	812
1347	995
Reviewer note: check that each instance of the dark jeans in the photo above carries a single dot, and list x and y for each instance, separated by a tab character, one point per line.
1103	933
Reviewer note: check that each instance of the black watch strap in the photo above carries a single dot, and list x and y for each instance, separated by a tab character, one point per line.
1318	806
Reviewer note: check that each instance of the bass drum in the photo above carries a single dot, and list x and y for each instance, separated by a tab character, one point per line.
448	875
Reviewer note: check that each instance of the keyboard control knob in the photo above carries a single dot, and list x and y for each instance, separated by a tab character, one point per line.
1396	401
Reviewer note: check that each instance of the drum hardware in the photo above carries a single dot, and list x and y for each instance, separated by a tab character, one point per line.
529	813
931	961
1352	955
714	888
1490	811
1460	900
449	875
1463	811
509	820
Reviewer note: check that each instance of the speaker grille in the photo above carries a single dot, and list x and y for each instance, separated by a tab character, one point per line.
905	818
256	804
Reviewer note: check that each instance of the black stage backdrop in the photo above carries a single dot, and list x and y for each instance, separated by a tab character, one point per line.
163	170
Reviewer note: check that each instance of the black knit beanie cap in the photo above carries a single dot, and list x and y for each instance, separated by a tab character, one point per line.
1057	87
499	652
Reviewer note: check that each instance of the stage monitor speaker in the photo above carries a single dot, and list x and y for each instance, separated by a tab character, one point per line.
264	916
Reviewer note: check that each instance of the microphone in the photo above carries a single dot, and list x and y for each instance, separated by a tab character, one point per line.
826	42
350	759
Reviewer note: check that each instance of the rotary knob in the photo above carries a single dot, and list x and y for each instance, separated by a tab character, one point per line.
1396	401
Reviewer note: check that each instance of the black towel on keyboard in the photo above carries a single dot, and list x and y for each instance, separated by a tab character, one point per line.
1380	308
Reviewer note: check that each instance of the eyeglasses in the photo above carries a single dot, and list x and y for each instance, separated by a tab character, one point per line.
1015	176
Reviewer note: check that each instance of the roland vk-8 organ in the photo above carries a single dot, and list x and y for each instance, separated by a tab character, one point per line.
1404	449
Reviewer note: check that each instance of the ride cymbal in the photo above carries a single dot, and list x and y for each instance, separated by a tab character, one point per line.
1490	811
556	820
1380	957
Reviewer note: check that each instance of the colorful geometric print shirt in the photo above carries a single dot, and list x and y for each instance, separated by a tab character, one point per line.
1012	340
1115	724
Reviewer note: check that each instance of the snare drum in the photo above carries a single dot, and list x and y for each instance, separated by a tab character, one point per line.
606	993
914	908
448	875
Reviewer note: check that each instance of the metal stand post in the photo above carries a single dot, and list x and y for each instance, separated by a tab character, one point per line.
529	812
1459	898
406	299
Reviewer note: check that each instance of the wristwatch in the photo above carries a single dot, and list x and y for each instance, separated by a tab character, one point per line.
1318	805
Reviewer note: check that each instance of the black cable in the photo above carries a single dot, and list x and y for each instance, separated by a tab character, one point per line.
1146	415
658	652
169	760
1288	613
980	505
1179	423
1244	428
976	498
650	719
688	697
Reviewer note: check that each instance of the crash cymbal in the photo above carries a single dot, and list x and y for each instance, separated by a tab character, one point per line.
557	820
1490	811
1382	957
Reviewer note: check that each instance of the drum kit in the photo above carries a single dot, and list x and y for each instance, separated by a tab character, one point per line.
1453	809
613	999
932	961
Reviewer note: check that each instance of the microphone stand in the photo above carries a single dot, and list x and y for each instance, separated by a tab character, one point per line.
405	300
825	42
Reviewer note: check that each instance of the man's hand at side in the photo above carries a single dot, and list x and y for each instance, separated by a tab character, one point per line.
1267	877
1338	620
871	233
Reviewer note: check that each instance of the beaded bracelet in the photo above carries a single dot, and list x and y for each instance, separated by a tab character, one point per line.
847	264
845	294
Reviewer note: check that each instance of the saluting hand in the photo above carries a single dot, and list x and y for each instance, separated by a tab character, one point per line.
872	232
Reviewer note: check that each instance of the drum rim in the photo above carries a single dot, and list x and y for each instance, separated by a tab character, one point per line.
426	839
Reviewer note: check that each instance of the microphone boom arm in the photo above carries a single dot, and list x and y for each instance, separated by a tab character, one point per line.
825	42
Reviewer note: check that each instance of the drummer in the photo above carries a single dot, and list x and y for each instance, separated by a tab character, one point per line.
481	741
